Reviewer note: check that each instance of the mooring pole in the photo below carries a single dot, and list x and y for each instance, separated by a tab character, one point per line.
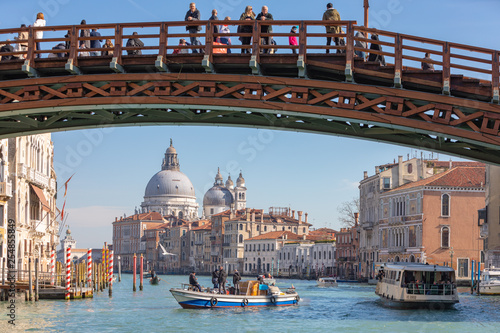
141	272
36	279
30	281
134	272
119	269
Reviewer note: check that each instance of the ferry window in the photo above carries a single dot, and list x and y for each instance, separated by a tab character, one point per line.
445	237
445	205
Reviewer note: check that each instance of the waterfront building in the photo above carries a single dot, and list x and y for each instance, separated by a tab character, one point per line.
170	192
388	177
197	245
128	235
77	255
489	217
241	225
28	185
261	252
347	258
434	220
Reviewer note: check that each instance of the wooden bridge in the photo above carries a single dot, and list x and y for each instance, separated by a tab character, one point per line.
453	109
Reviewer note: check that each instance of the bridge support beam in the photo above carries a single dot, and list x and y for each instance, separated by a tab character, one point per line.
254	65
209	67
446	87
70	67
496	96
114	65
301	65
160	65
348	73
397	79
32	72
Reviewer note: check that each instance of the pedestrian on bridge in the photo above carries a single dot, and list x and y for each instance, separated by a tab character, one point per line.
247	40
40	22
224	29
427	66
380	58
264	15
193	14
95	44
7	48
135	42
331	14
85	33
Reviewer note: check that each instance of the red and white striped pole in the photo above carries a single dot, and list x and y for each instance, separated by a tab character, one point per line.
89	268
68	272
52	267
110	273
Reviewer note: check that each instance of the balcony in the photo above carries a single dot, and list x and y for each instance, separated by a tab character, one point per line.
483	231
226	244
38	178
212	238
367	225
22	170
5	190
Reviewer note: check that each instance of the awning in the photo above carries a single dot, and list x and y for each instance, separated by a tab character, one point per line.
39	194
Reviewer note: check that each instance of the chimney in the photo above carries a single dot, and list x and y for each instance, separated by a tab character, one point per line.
116	219
356	216
261	216
293	214
451	163
304	237
189	226
365	174
377	170
248	214
305	218
299	212
400	170
253	215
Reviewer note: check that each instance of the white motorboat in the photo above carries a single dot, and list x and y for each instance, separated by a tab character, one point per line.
327	281
416	285
490	282
252	293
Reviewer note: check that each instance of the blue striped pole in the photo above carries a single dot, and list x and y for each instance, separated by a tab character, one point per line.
472	278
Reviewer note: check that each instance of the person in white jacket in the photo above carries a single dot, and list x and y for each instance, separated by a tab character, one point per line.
40	22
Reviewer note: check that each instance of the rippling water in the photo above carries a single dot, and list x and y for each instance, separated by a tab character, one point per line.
347	308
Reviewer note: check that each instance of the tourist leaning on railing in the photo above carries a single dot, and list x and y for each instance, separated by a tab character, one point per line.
109	46
246	29
85	33
193	14
292	40
224	29
134	42
264	15
6	49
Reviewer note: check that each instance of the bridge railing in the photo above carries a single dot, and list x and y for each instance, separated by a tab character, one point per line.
402	52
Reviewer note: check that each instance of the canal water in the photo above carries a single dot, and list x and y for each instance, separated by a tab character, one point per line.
347	308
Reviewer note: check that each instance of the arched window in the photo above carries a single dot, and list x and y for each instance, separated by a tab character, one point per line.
181	215
396	259
445	237
412	258
410	168
329	254
241	238
445	205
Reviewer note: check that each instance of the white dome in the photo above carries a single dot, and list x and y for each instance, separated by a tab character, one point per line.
218	196
169	182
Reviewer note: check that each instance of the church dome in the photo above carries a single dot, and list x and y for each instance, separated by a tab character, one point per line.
240	182
218	196
229	183
169	182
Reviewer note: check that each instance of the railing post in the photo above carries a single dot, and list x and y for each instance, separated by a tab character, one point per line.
209	40
255	57
116	61
398	58
495	78
72	64
349	61
30	56
446	69
160	63
301	60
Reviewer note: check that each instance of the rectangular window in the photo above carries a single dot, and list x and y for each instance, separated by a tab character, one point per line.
387	183
463	267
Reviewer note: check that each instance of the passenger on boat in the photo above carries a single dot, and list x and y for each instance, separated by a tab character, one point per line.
215	278
222	279
236	282
193	280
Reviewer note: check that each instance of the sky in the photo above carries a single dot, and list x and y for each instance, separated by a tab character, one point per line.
309	172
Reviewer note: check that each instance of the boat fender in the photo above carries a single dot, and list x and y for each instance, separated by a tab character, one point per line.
297	299
273	299
244	302
213	301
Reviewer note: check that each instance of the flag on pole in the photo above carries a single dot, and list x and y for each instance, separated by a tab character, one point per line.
62	211
66	184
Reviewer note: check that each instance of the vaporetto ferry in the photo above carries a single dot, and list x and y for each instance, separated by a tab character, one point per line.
417	285
252	294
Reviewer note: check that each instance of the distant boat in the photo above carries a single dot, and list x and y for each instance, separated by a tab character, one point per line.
417	285
252	294
490	282
155	280
327	281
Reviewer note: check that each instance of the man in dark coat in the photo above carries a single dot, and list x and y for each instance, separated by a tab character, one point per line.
264	15
95	44
331	14
236	282
5	49
134	42
215	278
193	14
222	279
193	280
